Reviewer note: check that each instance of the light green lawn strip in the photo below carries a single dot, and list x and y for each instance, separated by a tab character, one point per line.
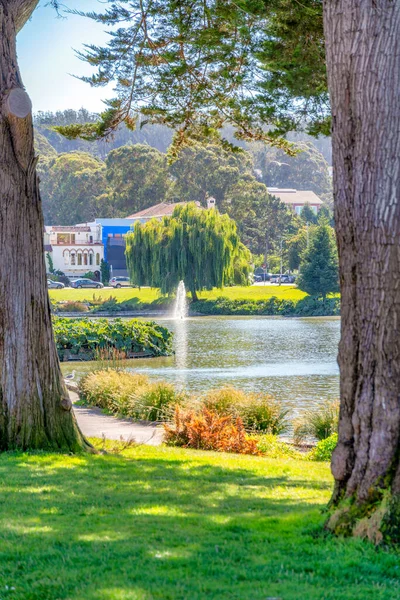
173	524
148	295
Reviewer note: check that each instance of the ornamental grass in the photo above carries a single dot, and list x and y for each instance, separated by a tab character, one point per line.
130	395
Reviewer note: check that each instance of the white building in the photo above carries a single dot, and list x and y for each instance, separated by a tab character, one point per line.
75	250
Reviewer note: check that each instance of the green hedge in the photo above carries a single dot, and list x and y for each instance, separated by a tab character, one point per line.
93	337
306	307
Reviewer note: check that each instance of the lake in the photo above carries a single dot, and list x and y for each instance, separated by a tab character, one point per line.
292	359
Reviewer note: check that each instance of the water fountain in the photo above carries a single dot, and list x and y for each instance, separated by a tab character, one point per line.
181	305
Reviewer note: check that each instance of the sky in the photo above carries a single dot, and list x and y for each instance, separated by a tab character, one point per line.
46	53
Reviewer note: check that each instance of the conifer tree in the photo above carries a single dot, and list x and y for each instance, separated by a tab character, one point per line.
319	267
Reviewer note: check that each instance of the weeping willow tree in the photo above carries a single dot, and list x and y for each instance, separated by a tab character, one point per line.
197	246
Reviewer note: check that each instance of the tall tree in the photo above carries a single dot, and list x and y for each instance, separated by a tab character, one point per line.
363	59
207	169
197	246
319	274
137	176
35	409
71	184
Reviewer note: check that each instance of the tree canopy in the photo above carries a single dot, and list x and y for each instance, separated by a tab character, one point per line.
197	64
198	246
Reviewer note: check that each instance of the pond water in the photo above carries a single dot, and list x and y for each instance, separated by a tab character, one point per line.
292	359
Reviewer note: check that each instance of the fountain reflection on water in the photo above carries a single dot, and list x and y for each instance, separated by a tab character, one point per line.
181	340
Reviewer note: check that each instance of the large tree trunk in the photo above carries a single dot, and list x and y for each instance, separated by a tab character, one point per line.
35	410
363	58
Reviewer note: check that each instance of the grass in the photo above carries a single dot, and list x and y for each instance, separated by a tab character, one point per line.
149	295
172	524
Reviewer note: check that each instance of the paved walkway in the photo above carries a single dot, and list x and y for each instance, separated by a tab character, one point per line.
94	423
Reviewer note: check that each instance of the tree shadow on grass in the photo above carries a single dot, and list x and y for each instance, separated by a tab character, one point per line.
112	528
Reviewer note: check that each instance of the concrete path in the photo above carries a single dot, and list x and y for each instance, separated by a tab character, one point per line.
94	423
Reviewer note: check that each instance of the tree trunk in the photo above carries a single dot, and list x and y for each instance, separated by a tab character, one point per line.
363	60
195	297
35	409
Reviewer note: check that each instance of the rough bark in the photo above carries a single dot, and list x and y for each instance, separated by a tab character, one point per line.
35	410
363	60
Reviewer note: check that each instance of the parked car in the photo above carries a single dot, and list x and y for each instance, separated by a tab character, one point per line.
86	283
263	277
118	282
54	285
283	278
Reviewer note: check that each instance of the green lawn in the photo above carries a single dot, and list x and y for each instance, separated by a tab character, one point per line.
171	524
148	295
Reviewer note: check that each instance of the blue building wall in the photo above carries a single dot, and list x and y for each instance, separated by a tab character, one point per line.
112	228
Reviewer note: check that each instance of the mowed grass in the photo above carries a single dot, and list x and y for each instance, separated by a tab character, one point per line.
149	295
172	524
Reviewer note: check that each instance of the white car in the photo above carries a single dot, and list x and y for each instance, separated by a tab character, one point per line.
55	285
118	282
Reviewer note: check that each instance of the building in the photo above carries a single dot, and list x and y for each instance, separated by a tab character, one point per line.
297	199
112	233
158	211
75	250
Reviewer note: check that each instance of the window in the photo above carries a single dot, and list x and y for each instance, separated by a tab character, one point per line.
73	258
90	258
97	258
79	258
85	258
91	239
66	257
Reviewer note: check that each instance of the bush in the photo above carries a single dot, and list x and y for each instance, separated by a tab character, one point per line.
306	307
207	430
318	423
323	450
269	445
129	394
95	336
71	306
259	412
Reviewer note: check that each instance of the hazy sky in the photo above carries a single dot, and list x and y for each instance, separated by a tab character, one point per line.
47	60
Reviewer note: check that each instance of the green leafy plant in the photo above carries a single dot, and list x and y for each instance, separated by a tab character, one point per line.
271	446
91	336
324	449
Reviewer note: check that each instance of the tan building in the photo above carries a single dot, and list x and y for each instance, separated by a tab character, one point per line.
297	199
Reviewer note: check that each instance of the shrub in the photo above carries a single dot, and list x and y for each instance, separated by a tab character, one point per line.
129	394
207	430
318	423
72	306
92	336
224	401
259	412
308	306
269	445
323	450
262	412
